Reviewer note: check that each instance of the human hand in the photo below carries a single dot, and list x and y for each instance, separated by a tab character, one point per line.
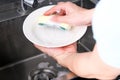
71	14
59	53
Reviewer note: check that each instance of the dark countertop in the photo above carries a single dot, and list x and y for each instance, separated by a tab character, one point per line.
11	9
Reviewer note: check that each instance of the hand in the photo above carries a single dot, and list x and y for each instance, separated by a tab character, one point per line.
71	14
59	53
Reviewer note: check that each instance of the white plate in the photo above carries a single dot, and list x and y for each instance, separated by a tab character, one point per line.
49	37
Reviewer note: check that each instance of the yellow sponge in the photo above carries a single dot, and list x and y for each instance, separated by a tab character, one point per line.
45	21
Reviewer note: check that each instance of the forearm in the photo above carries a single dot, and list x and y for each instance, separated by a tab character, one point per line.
89	65
85	16
78	63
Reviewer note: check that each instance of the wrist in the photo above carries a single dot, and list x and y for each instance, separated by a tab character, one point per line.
90	16
87	17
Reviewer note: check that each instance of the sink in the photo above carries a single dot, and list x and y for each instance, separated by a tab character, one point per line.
21	70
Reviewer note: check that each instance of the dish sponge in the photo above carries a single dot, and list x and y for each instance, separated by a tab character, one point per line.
45	21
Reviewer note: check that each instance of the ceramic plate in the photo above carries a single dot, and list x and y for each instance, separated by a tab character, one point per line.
49	37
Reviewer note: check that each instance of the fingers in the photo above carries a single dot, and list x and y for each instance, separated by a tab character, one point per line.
59	19
45	50
54	9
40	48
50	11
72	45
72	48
